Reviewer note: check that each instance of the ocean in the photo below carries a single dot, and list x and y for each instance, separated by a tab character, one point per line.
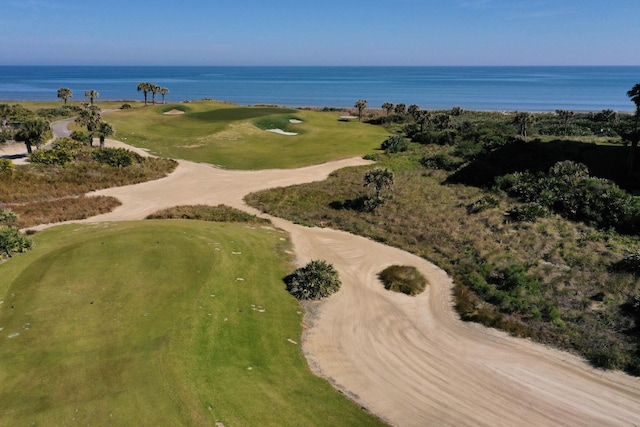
530	88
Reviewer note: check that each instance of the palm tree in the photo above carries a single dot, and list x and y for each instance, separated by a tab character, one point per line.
565	115
388	106
422	118
154	89
104	130
65	93
400	109
145	88
32	131
361	104
90	118
413	110
163	92
523	120
634	94
91	94
380	179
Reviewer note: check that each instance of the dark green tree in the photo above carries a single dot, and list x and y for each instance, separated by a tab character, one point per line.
104	130
360	105
388	107
381	180
32	132
65	93
565	116
163	91
634	95
145	88
523	120
91	94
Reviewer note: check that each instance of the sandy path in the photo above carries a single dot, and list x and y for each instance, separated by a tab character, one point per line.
409	360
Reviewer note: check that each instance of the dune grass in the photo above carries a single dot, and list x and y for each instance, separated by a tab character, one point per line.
157	322
234	137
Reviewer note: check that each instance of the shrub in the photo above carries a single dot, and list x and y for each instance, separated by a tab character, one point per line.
482	204
125	106
12	241
220	213
7	168
80	136
439	161
7	216
529	212
58	156
68	144
395	144
402	278
629	264
116	157
316	280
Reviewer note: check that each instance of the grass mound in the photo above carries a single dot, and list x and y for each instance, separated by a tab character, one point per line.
157	323
403	278
220	213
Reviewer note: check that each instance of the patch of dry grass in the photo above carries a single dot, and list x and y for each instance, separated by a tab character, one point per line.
63	209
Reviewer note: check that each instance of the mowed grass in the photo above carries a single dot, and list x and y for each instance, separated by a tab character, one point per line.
160	322
235	137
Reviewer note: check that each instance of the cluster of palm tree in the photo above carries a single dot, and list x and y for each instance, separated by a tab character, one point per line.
146	87
95	124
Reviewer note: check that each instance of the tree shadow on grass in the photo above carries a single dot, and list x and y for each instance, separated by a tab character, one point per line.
604	161
358	204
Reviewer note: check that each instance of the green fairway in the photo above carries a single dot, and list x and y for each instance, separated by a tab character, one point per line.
163	322
235	137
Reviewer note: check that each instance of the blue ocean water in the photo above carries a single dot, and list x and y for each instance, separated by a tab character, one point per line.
531	88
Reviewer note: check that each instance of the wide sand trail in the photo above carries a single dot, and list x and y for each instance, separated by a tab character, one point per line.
409	360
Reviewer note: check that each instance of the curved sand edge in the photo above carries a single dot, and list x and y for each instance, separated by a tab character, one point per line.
408	360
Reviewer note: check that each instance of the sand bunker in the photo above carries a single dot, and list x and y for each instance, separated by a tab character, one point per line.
295	121
281	132
174	112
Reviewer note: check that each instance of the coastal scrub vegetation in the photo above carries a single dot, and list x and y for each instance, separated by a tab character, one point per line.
534	217
51	188
219	213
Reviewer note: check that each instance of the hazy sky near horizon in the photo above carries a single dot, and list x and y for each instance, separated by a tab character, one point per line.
321	32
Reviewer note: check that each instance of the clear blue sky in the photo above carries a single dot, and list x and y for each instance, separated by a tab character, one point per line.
320	32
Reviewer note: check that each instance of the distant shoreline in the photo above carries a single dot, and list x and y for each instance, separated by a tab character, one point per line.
476	88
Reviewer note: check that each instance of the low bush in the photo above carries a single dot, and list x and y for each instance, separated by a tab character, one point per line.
528	212
439	161
116	157
58	156
395	144
220	213
7	168
482	204
405	279
316	280
12	242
